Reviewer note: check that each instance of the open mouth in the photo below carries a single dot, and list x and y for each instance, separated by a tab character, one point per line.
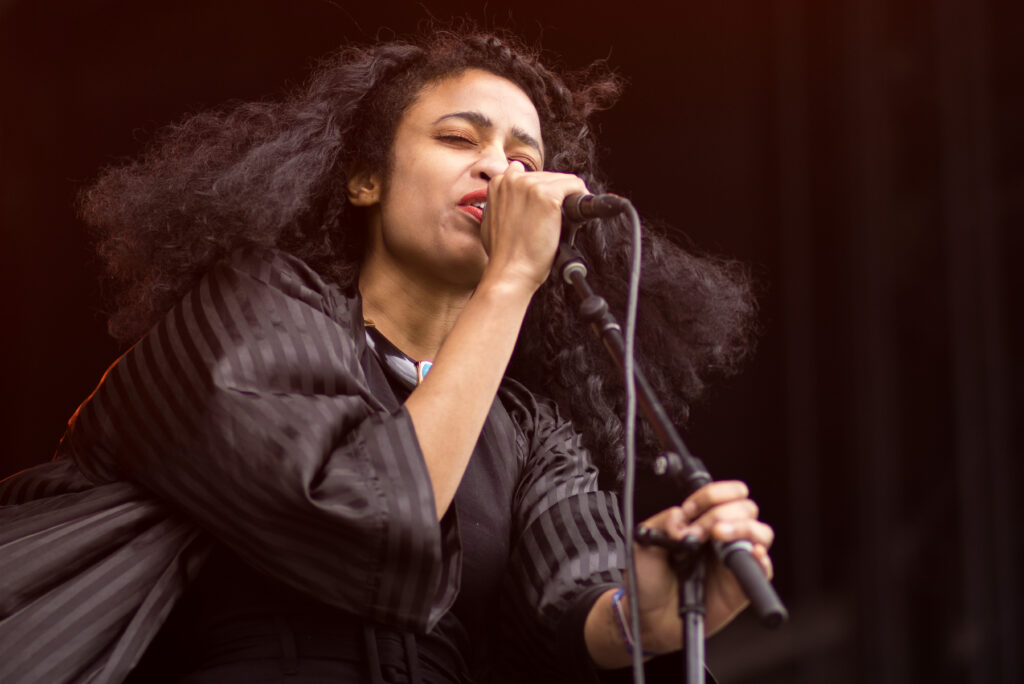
474	204
474	210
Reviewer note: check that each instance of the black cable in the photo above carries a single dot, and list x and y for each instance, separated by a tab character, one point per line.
679	464
629	486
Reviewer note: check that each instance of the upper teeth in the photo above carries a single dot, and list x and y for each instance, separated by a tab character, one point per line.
480	204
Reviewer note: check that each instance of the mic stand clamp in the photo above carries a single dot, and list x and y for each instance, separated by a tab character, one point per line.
688	559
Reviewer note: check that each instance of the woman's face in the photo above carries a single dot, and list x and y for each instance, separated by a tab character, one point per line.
456	136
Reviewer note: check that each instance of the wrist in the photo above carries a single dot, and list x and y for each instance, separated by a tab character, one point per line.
621	616
506	289
606	640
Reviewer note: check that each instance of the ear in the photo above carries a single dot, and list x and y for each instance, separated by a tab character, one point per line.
363	187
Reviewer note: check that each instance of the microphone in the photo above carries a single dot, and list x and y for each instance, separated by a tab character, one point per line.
764	601
579	207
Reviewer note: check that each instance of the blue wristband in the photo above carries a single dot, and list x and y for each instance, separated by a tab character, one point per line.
624	623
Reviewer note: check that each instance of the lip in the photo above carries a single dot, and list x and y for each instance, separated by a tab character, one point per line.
467	200
475	196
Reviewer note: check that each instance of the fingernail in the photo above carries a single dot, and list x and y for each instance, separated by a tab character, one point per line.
691	541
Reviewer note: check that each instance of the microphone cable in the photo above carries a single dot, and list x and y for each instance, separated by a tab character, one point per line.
629	484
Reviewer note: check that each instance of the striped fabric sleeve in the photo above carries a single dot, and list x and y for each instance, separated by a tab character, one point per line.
88	572
248	410
567	550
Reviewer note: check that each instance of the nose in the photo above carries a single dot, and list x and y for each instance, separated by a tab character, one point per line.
492	162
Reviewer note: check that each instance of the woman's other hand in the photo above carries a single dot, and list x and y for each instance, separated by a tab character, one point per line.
719	511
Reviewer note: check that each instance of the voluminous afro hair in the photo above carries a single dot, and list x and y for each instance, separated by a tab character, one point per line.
274	174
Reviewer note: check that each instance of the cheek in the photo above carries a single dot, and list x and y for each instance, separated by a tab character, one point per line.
406	217
417	192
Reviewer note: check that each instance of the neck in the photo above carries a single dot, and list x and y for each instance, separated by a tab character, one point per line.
414	315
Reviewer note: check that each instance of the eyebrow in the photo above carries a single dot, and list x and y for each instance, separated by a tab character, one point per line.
482	121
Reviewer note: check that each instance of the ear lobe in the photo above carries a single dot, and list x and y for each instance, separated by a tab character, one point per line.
363	188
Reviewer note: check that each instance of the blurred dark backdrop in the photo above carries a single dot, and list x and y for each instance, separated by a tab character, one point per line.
866	158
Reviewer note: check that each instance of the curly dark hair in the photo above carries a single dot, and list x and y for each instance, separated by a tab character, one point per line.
274	174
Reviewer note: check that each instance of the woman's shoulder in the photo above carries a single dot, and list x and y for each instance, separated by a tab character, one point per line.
273	268
541	420
528	410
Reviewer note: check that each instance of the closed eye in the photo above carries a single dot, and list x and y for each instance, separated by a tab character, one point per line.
456	139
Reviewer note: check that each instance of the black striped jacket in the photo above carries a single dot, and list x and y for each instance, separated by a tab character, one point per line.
246	418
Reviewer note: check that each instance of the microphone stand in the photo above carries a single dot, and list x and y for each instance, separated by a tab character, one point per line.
687	473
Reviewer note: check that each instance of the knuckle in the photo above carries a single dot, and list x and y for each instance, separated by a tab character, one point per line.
762	533
536	190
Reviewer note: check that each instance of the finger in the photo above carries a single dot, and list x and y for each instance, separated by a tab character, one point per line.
558	183
736	508
750	530
515	167
721	514
714	494
760	553
672	521
569	184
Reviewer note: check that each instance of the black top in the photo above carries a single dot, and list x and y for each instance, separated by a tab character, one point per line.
232	607
484	504
248	419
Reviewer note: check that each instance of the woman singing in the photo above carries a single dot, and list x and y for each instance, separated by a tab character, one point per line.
269	485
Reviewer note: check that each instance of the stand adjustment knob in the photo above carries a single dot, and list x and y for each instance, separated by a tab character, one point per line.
593	308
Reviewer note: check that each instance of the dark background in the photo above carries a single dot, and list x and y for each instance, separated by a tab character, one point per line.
865	157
